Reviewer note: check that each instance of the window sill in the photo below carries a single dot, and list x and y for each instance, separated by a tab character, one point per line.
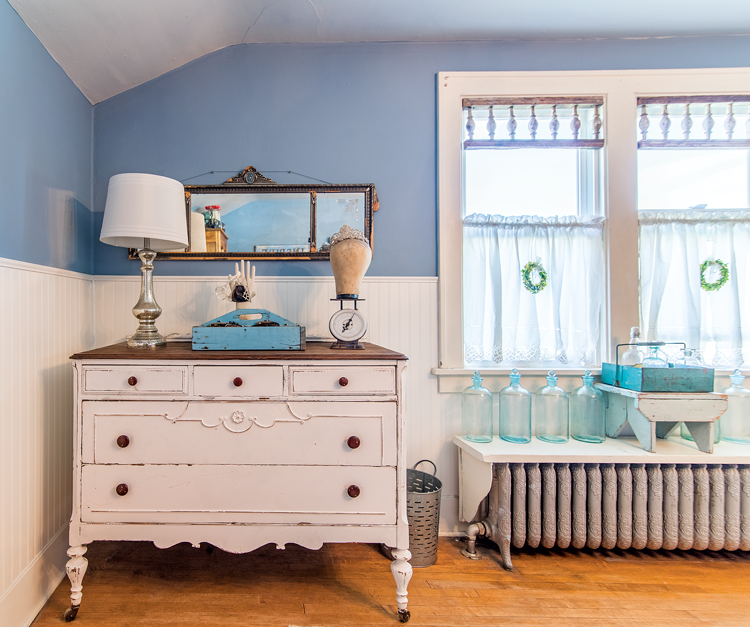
456	380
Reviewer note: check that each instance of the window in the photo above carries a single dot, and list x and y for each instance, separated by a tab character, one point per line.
694	223
619	92
533	246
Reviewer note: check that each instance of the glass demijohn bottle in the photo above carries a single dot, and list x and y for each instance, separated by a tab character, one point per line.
476	411
515	411
655	358
735	423
587	412
551	412
632	356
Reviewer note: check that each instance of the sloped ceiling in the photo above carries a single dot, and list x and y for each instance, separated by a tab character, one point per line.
107	47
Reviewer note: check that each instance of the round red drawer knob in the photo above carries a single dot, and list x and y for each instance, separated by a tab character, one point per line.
132	381
353	491
237	382
122	489
343	382
353	442
123	441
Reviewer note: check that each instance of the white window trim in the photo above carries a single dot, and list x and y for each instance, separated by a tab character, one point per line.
620	90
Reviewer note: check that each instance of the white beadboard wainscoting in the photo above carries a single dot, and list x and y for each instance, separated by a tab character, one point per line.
49	314
46	317
401	314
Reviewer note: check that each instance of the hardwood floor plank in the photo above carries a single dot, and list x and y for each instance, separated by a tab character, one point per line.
134	584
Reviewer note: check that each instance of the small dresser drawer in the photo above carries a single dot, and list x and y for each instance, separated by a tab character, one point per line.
322	495
135	379
238	381
235	432
343	380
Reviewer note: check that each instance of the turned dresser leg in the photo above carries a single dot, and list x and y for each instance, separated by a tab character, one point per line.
401	569
76	569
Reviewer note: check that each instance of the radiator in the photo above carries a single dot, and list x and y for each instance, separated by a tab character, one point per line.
640	506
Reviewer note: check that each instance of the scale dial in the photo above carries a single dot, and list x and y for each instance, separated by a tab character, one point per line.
347	325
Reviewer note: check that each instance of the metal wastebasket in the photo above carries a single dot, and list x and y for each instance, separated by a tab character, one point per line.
423	512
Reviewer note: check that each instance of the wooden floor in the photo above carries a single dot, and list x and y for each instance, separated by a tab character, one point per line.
134	583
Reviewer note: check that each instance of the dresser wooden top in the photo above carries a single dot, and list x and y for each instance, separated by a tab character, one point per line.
184	350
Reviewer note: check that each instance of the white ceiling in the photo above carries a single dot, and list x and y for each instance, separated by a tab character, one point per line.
109	46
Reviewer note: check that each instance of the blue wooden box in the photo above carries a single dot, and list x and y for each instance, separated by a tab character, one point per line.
677	379
249	330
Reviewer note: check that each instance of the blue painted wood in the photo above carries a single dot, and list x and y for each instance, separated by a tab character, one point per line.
288	336
677	379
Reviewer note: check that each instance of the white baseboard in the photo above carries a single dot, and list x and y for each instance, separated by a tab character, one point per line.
20	605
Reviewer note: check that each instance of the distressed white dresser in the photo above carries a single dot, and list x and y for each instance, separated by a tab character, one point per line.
239	449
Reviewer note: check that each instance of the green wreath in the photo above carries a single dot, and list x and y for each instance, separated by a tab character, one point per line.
532	287
716	285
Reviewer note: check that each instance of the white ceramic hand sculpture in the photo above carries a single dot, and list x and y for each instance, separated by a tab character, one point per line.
239	288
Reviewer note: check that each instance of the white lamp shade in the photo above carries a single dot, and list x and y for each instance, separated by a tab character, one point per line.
145	206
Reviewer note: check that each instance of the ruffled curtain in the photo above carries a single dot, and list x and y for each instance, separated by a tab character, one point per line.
506	323
674	306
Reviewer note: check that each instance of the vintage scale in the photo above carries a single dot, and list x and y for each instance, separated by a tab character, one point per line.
350	257
347	326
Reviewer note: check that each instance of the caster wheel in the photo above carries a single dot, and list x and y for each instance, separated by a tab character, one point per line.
404	616
70	614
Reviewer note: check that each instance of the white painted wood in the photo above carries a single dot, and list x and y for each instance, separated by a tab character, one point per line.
475	480
238	538
654	414
620	90
76	569
31	590
172	380
238	494
402	572
256	381
402	314
36	428
205	460
624	450
285	433
356	380
688	410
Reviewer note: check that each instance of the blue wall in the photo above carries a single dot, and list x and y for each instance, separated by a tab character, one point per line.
344	113
45	155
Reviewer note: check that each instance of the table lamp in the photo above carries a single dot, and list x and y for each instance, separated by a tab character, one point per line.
146	212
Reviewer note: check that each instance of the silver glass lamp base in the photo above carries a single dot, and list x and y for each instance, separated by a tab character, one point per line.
146	309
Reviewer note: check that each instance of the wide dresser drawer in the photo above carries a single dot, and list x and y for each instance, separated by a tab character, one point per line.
135	379
239	494
343	380
235	432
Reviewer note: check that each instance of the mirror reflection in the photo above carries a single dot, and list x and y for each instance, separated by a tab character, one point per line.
270	221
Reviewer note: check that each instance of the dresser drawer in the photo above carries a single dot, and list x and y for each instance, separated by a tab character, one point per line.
239	381
343	380
218	432
239	494
135	379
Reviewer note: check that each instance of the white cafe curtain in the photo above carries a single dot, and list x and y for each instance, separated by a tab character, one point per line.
674	306
504	323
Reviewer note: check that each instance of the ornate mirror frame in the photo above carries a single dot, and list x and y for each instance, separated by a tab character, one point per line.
250	181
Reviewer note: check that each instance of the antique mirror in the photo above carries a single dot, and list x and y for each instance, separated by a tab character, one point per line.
252	217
